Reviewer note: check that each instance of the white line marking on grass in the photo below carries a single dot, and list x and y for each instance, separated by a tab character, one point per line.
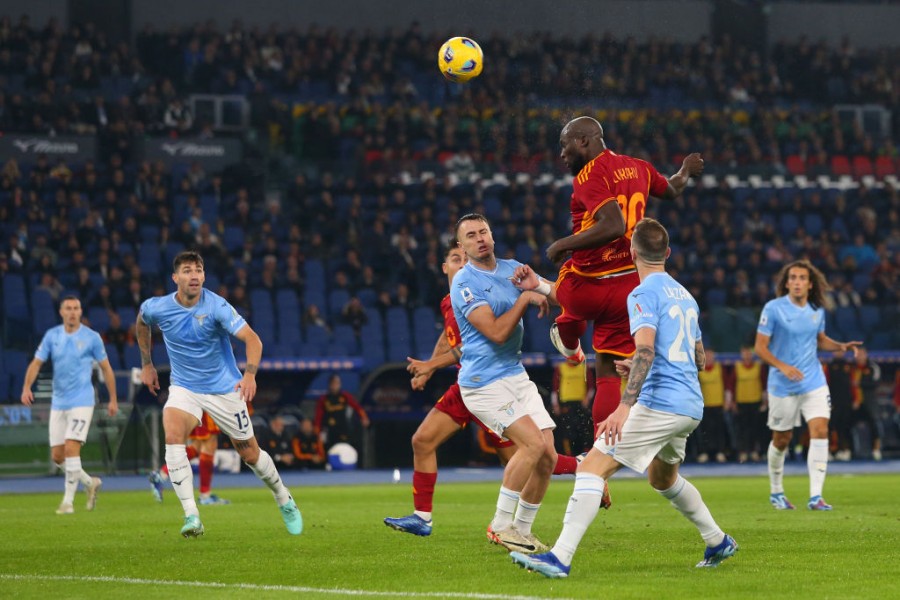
262	587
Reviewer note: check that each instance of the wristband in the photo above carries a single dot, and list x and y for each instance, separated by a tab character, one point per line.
543	288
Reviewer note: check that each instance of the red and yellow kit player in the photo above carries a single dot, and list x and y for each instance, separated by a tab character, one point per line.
610	194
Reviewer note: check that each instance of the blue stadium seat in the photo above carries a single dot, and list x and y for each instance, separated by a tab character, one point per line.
426	330
346	337
336	301
15	302
149	233
159	355
112	353
149	259
233	238
315	296
99	318
847	323
15	362
132	356
398	348
538	332
317	336
869	319
261	305
315	274
367	296
45	314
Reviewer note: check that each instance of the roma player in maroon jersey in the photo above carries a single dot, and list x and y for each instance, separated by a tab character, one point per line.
447	417
610	193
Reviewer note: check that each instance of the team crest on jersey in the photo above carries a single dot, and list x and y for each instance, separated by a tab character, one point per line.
508	408
200	319
79	345
467	295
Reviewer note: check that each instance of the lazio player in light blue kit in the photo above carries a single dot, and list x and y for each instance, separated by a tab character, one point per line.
74	348
660	407
197	325
791	330
493	383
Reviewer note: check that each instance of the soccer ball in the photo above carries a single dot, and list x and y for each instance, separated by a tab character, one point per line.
342	457
460	59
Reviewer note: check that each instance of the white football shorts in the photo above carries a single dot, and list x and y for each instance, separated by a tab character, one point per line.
501	403
649	434
785	411
227	410
70	424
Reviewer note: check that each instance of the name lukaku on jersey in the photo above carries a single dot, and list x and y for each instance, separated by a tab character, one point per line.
624	173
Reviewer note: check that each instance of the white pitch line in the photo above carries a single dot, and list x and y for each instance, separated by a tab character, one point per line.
264	588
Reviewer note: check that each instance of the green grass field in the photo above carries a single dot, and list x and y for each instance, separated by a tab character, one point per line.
642	548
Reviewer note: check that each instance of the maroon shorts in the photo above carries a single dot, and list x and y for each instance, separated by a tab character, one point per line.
604	301
451	404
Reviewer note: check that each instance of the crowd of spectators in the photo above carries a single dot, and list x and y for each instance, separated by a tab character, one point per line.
372	96
353	243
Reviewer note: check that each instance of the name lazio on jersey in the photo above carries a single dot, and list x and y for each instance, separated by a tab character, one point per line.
198	340
482	360
73	355
663	304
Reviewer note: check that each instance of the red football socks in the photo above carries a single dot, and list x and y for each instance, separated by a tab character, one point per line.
423	490
206	472
606	398
565	465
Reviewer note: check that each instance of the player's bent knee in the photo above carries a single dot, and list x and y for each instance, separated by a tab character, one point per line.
424	443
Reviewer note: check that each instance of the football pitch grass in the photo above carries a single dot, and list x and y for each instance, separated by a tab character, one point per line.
642	548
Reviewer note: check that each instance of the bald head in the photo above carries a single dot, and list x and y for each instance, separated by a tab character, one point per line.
584	126
580	141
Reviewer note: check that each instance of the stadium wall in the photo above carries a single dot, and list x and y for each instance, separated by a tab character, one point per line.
865	24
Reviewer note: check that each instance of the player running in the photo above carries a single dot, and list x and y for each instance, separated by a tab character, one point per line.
196	325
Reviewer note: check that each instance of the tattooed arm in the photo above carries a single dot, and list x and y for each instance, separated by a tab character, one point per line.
149	376
639	368
700	355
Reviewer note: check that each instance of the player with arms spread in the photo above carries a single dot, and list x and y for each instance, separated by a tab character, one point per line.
791	329
73	347
196	325
610	194
660	407
447	417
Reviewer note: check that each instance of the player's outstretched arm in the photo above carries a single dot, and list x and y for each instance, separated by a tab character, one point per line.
442	356
524	278
31	373
761	347
149	377
829	345
692	166
110	379
247	385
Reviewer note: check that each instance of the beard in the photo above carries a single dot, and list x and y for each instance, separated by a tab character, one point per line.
577	165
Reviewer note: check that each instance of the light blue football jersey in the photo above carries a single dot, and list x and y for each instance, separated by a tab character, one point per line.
197	340
793	331
482	360
73	355
672	384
